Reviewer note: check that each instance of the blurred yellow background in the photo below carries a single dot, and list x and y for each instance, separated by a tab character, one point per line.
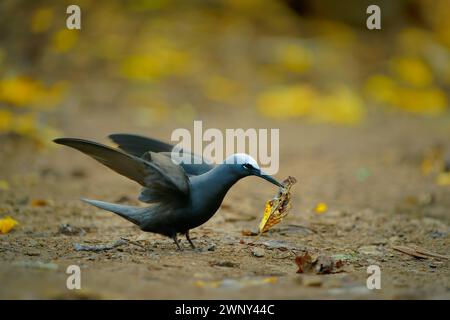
308	60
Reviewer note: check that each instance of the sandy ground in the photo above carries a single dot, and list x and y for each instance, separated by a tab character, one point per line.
391	204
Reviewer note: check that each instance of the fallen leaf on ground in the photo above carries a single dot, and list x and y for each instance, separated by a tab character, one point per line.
4	185
304	263
432	161
39	203
322	264
277	208
7	224
320	208
443	179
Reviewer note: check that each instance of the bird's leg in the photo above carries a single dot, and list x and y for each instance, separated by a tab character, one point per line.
189	239
175	239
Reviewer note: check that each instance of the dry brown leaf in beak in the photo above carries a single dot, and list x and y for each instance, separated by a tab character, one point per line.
277	208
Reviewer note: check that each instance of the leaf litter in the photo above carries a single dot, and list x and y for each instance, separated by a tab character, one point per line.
320	264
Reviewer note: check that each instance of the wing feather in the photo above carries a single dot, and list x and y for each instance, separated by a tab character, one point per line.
163	180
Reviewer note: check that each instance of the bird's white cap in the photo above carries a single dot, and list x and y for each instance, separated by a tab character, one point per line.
242	158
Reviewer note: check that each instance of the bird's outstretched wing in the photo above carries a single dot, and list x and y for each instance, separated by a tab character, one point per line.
138	145
163	180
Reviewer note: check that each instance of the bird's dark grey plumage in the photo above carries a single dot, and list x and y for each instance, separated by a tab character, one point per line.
180	197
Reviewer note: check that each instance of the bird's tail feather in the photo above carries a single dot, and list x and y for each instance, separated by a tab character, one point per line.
132	214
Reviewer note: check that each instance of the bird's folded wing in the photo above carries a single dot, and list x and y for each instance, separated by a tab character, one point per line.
167	168
163	179
194	166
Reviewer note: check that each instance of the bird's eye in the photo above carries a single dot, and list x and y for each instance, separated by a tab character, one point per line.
247	166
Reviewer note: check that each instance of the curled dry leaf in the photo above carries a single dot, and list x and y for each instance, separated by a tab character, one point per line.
277	208
321	264
304	263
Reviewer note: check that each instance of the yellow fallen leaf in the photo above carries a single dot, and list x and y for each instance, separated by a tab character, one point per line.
425	101
23	91
336	33
294	57
6	120
19	91
416	97
443	179
25	124
277	208
433	160
341	106
39	203
412	70
381	88
321	208
64	40
6	224
161	60
4	185
287	102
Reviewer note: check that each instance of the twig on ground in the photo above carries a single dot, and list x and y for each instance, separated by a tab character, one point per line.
98	248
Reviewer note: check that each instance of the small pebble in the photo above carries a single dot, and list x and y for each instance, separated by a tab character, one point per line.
258	252
33	253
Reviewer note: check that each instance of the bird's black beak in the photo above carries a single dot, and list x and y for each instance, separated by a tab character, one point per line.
268	178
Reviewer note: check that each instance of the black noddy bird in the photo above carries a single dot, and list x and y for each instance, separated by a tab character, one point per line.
181	197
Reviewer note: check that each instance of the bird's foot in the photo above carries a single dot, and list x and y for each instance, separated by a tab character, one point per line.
175	239
189	239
